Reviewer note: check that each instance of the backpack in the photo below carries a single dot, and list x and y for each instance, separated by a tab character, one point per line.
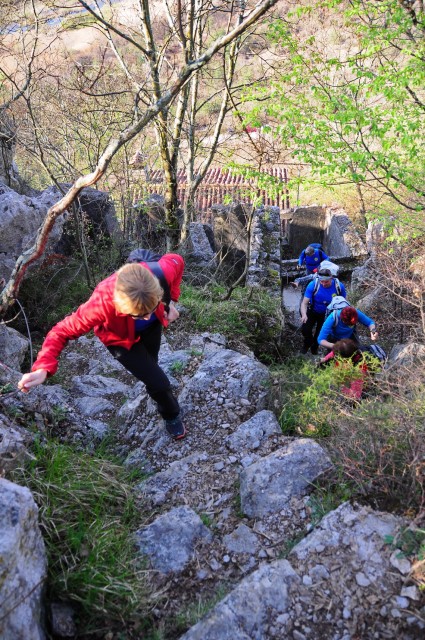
336	304
151	260
376	351
333	268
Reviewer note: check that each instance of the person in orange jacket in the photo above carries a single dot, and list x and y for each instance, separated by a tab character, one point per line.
127	314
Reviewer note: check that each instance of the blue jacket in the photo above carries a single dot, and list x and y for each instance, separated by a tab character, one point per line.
341	330
323	296
312	262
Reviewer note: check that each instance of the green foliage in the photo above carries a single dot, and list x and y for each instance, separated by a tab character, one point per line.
328	497
352	113
206	519
6	389
380	445
411	542
311	397
177	367
289	544
52	292
87	515
251	315
377	444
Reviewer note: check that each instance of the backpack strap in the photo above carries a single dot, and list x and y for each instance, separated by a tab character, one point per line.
151	260
158	272
338	286
335	320
315	290
317	285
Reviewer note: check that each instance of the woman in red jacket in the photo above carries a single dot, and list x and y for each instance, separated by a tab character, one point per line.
347	348
126	313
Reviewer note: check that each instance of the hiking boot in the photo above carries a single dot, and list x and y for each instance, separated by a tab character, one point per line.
314	350
175	428
304	350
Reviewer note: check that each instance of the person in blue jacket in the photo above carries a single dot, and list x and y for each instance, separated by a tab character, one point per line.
344	327
313	307
312	257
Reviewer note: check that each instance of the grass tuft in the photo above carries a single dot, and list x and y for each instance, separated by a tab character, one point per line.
250	315
87	515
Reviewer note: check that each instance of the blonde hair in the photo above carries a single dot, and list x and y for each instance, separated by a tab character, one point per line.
137	291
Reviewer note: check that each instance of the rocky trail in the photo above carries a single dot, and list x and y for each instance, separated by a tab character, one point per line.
231	519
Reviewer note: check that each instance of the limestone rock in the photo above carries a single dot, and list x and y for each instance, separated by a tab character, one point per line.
250	434
22	564
243	378
170	539
13	347
269	484
406	355
20	219
246	612
14	443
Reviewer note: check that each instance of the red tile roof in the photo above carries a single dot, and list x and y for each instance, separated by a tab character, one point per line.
218	186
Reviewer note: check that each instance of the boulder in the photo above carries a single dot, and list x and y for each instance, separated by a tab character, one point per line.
99	219
13	347
170	540
246	613
268	485
20	218
406	355
22	564
251	433
243	379
14	444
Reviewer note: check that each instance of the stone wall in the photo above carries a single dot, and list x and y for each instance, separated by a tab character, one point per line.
264	264
306	225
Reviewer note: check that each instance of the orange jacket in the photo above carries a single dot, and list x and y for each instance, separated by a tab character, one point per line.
99	313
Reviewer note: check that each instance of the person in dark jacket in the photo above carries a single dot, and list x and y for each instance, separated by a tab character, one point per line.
127	314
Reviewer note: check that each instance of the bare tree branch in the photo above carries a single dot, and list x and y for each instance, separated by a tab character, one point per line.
10	291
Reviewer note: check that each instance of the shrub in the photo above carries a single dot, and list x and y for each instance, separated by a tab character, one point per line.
311	398
377	444
250	315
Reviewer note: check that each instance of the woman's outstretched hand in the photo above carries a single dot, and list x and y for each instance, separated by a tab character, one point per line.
32	379
172	314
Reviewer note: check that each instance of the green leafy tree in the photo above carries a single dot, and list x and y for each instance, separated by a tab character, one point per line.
349	100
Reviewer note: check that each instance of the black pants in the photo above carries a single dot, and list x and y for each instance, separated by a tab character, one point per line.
313	319
142	361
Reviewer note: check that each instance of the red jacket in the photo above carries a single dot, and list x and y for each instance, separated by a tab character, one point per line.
99	313
355	389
